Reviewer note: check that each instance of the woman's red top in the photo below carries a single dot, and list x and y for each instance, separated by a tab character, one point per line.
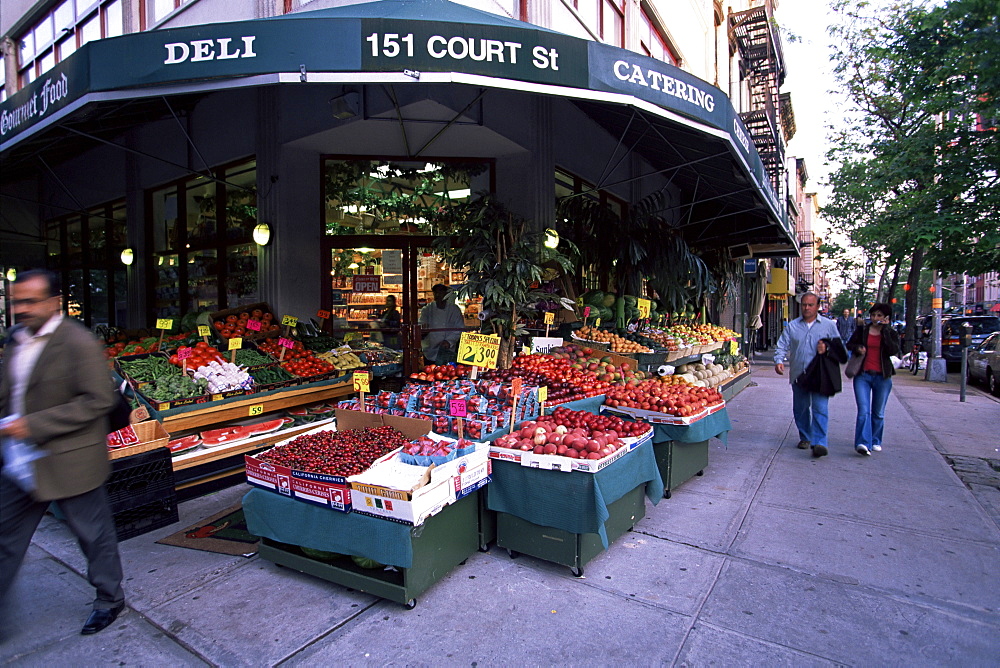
873	353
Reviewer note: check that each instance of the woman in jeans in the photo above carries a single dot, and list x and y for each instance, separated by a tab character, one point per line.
877	342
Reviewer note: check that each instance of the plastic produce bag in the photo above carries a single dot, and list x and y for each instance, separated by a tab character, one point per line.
18	458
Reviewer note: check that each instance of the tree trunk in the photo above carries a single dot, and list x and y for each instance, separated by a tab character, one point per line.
890	292
913	280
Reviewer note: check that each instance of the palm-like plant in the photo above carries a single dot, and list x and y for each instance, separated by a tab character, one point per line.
505	263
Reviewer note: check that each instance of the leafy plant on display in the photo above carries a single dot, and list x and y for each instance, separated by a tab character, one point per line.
506	263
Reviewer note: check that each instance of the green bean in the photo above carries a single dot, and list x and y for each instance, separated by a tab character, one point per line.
268	375
149	369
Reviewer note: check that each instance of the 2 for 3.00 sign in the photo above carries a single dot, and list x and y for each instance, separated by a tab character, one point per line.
479	350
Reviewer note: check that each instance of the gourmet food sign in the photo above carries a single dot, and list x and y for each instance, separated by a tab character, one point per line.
43	97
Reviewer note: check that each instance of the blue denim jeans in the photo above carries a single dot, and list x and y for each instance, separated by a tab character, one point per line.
811	415
871	392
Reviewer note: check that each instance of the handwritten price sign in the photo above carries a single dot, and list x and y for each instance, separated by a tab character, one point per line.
184	353
479	349
286	343
253	325
164	323
235	343
257	409
549	318
458	408
323	315
289	320
362	381
644	305
203	330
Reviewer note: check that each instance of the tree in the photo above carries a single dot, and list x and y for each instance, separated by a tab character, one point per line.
507	263
916	180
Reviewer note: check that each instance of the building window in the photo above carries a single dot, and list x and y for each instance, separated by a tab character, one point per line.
64	29
161	9
654	43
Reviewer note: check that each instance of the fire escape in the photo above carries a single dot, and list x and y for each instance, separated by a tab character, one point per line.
752	33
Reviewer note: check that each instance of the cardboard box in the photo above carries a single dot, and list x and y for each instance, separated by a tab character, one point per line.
317	488
438	487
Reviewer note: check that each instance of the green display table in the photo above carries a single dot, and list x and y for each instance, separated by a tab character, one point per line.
581	509
519	536
679	462
421	555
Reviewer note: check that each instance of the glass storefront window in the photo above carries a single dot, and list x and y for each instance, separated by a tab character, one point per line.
75	291
74	241
98	296
382	197
201	214
241	275
167	290
241	202
165	212
203	281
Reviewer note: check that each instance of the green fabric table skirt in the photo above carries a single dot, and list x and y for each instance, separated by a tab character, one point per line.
575	502
716	425
289	521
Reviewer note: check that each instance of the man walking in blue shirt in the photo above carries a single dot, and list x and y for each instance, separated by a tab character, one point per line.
800	342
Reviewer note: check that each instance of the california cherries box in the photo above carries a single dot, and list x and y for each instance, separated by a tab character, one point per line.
394	490
320	489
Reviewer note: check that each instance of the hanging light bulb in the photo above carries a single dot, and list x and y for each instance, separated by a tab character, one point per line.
551	238
262	234
12	274
128	257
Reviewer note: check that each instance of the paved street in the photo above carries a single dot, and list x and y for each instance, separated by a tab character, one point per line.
770	558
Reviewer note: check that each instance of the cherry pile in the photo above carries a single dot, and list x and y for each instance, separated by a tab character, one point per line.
343	453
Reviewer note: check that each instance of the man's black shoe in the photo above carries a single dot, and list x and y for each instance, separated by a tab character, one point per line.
803	445
101	619
819	450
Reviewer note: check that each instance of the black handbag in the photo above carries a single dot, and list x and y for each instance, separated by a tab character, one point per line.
120	414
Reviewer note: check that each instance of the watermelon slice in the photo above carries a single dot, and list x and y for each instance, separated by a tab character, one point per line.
266	427
179	445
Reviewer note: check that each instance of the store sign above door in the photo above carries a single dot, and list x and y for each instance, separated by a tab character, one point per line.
366	283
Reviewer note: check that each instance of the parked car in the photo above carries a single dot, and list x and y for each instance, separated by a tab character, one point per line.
984	363
952	329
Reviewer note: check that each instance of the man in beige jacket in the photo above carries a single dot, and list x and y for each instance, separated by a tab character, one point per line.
55	394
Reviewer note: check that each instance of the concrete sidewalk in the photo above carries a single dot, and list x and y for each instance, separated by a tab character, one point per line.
771	558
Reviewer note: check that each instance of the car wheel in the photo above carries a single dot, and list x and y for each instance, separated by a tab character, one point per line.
991	380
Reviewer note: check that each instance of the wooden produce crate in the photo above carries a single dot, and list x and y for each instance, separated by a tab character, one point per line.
151	435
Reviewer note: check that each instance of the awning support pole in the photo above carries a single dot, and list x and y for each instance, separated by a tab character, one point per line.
186	135
440	132
399	116
210	177
608	171
665	170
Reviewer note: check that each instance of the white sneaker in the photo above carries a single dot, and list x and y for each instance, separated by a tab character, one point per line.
876	448
862	450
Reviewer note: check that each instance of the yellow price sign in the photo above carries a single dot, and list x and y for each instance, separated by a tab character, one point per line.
937	302
579	301
362	381
256	409
549	318
289	320
543	393
644	305
235	343
164	323
733	347
204	330
479	349
216	397
597	322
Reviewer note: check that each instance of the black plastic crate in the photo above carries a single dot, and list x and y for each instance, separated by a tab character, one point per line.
145	517
143	474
